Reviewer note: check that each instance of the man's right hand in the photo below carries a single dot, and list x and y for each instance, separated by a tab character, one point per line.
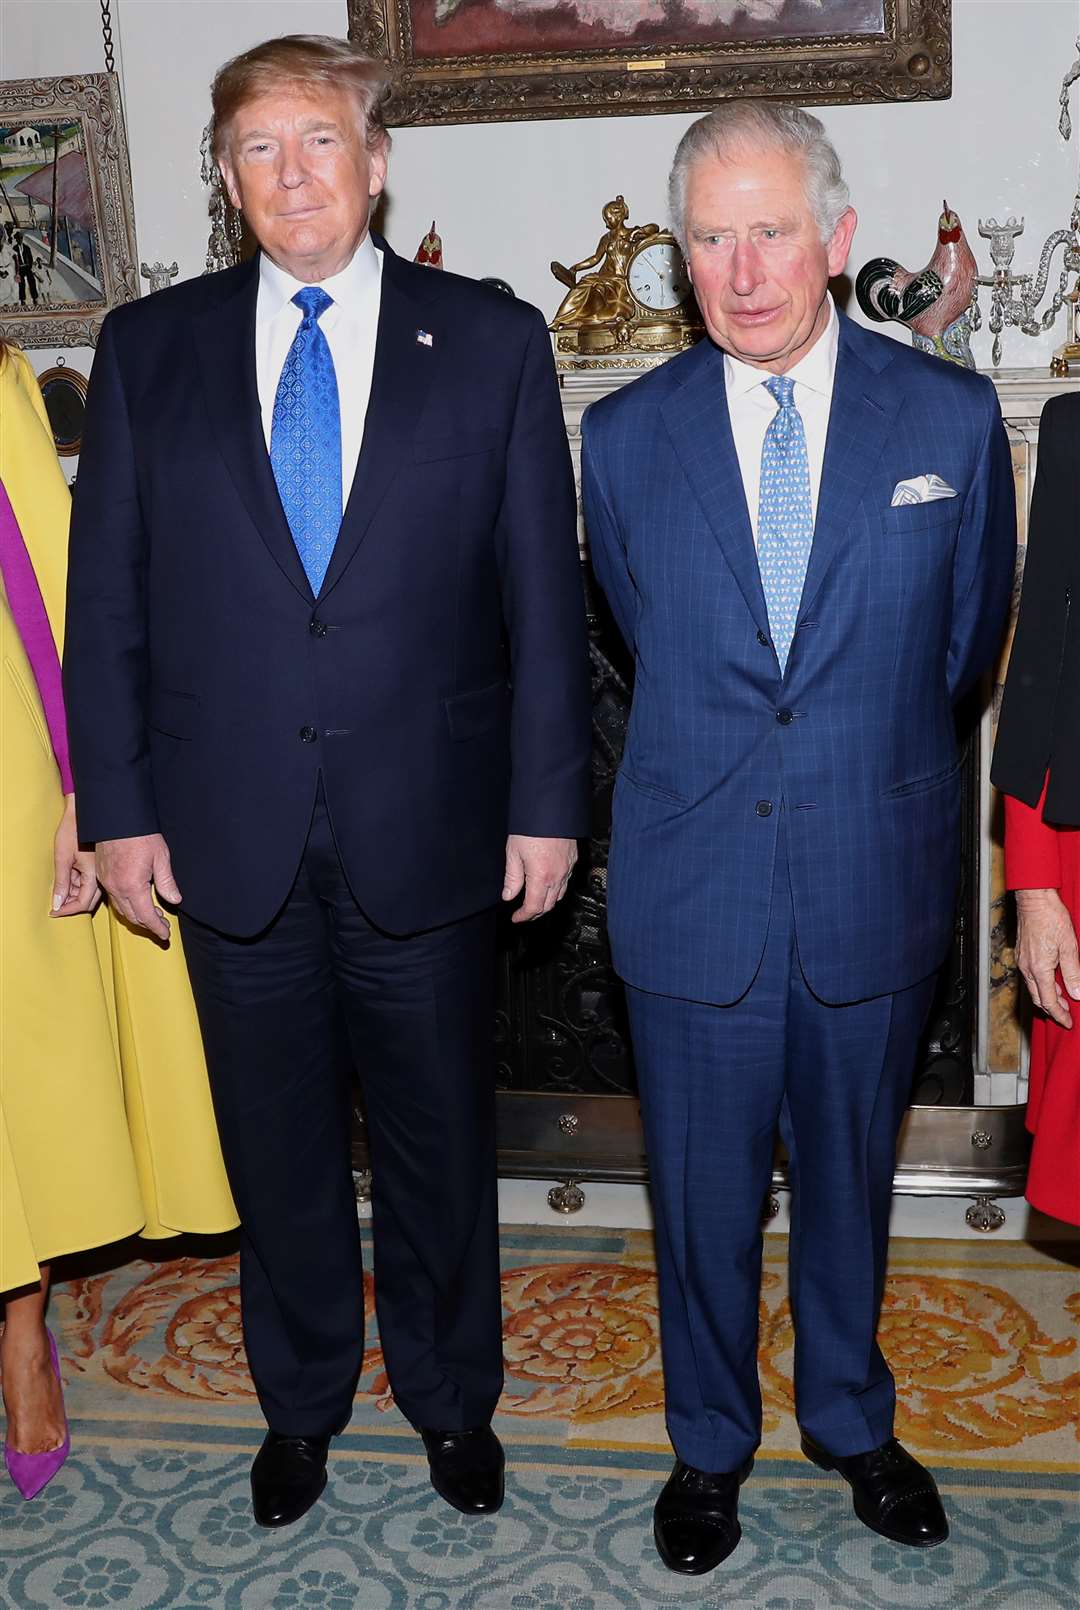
1045	943
129	870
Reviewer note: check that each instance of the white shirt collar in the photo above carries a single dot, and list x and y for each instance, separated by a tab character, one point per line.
816	371
349	289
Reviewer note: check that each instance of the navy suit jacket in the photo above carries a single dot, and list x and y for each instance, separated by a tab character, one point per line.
439	682
901	612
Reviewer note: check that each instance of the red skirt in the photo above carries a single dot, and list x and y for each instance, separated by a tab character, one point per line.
1040	856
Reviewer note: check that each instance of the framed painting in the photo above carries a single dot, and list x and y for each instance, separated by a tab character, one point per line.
480	61
67	230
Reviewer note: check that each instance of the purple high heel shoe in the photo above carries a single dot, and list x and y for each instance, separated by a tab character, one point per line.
32	1471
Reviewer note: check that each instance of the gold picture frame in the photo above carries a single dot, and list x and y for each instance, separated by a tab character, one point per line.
67	219
491	61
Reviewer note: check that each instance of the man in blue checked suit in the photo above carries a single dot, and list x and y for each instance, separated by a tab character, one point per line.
806	533
327	681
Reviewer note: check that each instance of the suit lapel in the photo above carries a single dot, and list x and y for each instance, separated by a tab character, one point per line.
697	420
225	344
404	369
864	406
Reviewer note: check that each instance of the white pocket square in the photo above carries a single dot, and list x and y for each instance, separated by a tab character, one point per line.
921	489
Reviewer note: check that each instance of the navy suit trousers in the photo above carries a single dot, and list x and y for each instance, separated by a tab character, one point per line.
286	1017
715	1081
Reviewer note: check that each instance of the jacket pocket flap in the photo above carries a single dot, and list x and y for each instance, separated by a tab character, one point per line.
470	714
455	444
922	785
923	516
176	714
667	796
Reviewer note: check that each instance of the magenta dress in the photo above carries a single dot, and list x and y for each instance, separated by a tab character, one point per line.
32	624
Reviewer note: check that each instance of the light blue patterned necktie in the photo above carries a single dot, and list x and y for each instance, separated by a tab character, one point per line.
305	440
785	515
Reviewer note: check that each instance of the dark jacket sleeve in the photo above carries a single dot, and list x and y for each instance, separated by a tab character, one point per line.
985	557
544	611
105	653
1025	737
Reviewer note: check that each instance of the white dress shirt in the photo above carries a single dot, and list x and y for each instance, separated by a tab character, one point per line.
350	328
752	409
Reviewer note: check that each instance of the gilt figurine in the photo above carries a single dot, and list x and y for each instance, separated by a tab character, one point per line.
936	302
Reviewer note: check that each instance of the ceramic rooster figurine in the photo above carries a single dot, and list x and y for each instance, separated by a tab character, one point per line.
429	251
935	303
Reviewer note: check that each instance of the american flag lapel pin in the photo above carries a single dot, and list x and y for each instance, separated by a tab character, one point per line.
424	338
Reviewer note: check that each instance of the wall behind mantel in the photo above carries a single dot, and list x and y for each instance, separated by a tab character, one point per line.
510	197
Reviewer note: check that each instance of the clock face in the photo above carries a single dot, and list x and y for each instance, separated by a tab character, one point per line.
658	279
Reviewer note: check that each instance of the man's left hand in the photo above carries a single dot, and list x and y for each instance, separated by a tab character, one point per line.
541	867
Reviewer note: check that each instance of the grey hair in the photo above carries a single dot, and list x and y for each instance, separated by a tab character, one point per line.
739	126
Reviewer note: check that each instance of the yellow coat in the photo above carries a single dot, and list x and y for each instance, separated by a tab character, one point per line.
106	1124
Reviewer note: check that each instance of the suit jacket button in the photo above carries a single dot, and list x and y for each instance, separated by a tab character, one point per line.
317	628
785	717
308	735
764	807
763	639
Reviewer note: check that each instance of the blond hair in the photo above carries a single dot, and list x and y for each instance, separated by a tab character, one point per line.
311	61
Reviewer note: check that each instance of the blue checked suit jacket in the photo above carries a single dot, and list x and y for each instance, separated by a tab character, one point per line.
855	747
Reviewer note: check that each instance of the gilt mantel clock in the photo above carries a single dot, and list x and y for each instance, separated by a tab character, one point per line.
628	303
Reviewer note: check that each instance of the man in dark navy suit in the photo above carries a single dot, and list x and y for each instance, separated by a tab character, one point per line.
806	532
327	682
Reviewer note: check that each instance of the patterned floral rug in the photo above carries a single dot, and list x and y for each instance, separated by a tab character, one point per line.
152	1510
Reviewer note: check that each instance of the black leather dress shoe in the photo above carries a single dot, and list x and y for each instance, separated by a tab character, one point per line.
696	1520
467	1468
287	1477
894	1495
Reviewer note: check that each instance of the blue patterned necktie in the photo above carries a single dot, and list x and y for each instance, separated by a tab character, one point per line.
785	515
305	440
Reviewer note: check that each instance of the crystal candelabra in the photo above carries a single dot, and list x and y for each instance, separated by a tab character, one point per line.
1015	298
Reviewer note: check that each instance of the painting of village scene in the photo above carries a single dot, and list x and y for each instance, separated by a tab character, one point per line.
49	255
67	233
